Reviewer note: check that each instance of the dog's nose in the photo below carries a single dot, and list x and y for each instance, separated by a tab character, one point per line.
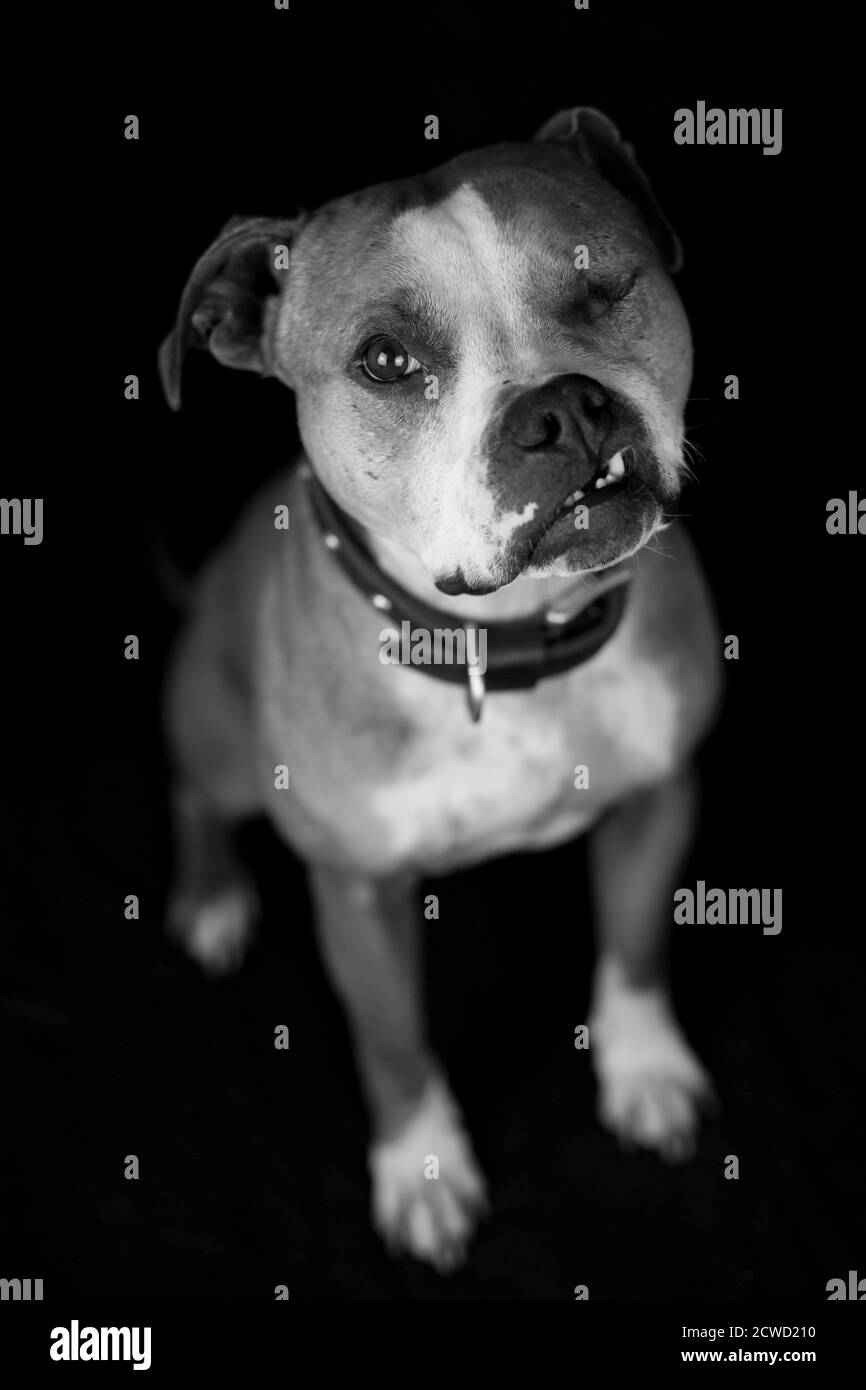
569	412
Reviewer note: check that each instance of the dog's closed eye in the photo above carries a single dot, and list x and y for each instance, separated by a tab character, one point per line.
597	297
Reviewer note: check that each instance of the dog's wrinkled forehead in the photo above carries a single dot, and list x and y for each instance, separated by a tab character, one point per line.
473	272
476	255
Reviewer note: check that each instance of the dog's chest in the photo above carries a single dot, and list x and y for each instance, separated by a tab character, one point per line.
413	782
468	790
538	768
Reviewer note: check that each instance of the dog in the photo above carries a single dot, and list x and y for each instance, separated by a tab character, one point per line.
490	364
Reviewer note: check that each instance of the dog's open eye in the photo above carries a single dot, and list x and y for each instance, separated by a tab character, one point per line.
384	359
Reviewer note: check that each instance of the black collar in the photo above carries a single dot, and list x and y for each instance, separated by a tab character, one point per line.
520	652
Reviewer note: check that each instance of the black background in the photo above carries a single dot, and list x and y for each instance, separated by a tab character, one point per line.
252	1161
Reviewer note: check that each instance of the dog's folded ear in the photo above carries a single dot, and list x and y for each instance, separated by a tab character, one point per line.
224	307
595	139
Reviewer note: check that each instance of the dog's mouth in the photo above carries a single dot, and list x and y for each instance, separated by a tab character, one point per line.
593	527
618	478
605	518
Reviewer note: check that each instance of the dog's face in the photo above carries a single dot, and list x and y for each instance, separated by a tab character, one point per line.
490	362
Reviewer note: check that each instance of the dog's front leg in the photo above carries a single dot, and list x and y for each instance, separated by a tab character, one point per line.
427	1187
651	1084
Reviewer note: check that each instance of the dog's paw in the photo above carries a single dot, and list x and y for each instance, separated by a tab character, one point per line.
215	930
428	1190
652	1087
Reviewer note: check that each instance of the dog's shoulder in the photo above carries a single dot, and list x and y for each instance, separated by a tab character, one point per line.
672	628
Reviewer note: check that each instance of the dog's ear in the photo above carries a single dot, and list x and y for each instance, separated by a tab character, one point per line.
596	140
224	305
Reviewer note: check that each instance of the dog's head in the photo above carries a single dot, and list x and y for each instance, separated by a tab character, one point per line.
490	360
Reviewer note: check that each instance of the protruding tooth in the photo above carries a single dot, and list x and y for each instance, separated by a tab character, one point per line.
616	467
